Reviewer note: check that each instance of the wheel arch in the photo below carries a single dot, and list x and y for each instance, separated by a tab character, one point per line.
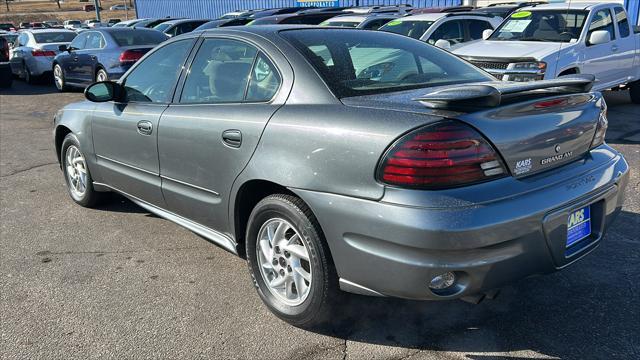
60	133
246	198
570	71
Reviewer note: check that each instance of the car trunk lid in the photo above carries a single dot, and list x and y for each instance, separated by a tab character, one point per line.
535	127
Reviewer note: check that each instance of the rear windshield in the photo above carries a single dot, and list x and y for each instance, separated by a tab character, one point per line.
137	37
74	22
54	37
355	62
542	25
414	29
349	24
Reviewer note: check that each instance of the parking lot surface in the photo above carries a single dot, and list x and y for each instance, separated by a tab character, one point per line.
117	282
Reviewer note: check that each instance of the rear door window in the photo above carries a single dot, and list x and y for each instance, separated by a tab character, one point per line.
220	72
623	22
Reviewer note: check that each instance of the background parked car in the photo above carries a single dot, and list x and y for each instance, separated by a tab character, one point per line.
102	54
72	24
7	27
366	21
554	40
9	36
129	23
112	22
93	23
223	23
53	24
308	17
34	50
25	25
503	10
151	23
178	27
454	28
6	77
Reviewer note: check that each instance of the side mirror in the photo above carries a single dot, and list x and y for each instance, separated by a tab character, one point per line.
104	91
63	48
486	34
599	37
443	44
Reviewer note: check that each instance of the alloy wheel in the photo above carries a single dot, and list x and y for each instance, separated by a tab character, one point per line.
76	168
283	260
57	77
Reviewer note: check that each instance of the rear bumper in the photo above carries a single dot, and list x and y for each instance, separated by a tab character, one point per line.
391	249
39	65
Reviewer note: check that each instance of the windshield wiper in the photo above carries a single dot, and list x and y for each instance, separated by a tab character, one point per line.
534	39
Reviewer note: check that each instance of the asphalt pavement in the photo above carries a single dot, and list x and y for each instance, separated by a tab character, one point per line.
117	282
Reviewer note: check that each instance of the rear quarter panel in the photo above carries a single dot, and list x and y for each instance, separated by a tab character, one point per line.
329	148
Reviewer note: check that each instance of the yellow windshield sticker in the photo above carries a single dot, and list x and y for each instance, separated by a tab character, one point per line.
394	22
521	14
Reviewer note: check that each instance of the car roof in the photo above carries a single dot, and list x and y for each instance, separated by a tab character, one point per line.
363	17
181	21
40	31
564	6
424	17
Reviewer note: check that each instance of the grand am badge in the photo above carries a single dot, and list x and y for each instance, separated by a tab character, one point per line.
555	158
522	166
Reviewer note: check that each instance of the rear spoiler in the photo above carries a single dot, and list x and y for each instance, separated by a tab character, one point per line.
495	93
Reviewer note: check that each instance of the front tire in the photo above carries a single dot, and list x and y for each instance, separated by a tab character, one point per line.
76	173
59	79
290	262
634	92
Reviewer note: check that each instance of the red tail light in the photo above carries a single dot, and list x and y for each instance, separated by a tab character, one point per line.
601	127
442	155
43	53
130	56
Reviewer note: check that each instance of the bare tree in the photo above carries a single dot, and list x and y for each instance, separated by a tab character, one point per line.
58	2
6	3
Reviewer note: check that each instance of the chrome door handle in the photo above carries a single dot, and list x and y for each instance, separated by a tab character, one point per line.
614	48
145	127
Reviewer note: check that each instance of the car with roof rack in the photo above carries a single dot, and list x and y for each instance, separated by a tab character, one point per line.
305	17
445	30
368	21
553	40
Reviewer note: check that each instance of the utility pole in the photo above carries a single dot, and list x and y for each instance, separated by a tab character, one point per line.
126	9
97	5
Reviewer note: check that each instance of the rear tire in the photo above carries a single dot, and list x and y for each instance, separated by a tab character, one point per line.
291	267
28	78
76	173
58	78
634	92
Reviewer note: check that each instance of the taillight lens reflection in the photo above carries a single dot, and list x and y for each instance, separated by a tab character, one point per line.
441	155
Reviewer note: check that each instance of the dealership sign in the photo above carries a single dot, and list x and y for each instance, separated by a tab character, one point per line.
318	3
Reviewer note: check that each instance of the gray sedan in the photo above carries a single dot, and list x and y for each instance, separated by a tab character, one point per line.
34	50
338	159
